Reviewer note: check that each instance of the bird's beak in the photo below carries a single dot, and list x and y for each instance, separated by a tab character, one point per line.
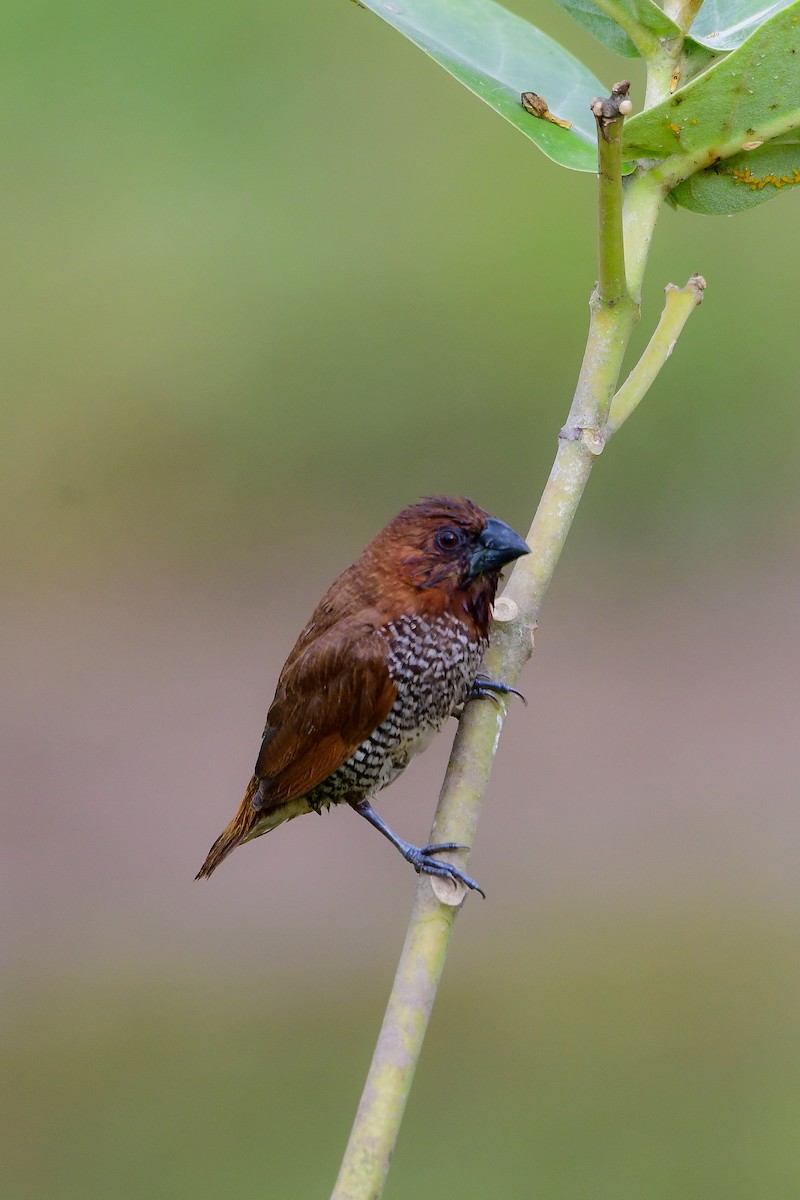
497	545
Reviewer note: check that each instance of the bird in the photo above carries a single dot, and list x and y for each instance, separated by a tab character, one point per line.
390	652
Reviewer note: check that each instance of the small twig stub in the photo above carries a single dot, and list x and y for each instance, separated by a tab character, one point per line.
505	609
448	891
536	105
606	109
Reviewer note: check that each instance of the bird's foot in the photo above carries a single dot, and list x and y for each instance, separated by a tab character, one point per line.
419	857
484	688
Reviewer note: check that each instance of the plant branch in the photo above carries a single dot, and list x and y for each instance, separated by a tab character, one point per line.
678	307
613	310
627	215
643	197
383	1100
682	12
609	115
660	67
613	315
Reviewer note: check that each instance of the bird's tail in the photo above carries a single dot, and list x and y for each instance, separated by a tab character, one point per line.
249	823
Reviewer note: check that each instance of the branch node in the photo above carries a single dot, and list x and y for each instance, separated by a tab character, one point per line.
591	438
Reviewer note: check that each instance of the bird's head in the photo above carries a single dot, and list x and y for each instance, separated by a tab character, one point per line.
451	547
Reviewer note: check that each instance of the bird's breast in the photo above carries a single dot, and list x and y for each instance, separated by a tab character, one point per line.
432	663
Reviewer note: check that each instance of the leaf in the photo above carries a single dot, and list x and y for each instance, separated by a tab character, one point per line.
498	55
743	181
753	94
624	26
725	24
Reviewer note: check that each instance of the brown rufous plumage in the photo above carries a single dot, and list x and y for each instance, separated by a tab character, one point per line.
391	650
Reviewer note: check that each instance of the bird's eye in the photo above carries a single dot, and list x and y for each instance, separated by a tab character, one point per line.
448	539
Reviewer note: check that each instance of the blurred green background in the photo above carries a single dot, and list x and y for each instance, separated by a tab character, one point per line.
269	275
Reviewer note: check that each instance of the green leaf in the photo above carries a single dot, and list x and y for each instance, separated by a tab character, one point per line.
498	55
629	27
725	24
743	181
753	94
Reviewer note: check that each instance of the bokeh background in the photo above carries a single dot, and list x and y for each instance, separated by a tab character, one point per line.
269	275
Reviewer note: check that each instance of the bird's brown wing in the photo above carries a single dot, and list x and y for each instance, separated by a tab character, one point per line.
331	696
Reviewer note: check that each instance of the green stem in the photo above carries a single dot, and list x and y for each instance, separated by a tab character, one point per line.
644	196
678	307
613	310
660	67
383	1101
612	285
682	12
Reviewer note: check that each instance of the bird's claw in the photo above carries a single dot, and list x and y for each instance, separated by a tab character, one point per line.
419	857
437	847
485	688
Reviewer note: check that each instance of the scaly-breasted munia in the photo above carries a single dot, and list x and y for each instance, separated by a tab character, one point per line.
391	651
